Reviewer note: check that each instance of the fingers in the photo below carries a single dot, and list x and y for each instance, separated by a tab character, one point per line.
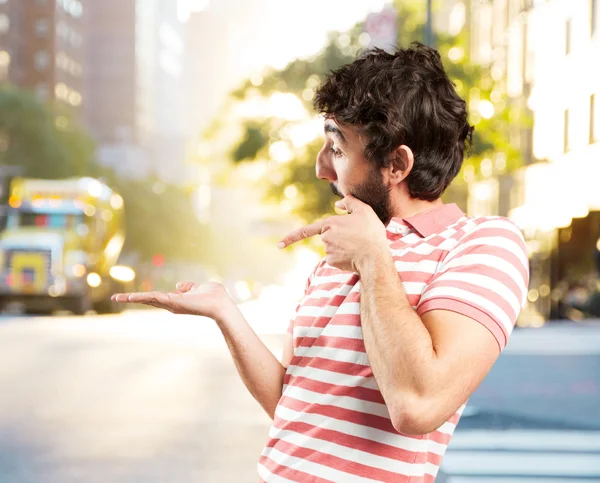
148	298
185	286
120	297
303	233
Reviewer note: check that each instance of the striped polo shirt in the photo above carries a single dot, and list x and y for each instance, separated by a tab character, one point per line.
331	423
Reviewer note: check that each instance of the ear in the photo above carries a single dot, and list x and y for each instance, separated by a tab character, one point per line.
402	160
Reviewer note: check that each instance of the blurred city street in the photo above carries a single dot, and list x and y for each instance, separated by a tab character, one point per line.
144	143
141	396
146	396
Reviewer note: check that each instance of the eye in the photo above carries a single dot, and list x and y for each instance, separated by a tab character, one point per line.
336	152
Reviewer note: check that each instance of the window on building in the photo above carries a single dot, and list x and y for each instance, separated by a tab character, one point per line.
41	60
4	58
4	64
594	120
525	53
63	61
593	16
526	5
42	28
75	69
566	132
75	98
568	37
61	91
76	8
4	23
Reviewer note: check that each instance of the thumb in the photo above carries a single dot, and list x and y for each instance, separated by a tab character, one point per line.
349	204
184	287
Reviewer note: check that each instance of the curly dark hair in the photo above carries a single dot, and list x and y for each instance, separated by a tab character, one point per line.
399	98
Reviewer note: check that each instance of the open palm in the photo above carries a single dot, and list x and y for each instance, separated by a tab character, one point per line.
208	299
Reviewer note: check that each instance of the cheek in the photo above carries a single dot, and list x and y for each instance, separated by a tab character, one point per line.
350	174
343	173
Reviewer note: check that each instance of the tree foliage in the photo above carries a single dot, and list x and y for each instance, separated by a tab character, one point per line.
160	219
255	138
41	139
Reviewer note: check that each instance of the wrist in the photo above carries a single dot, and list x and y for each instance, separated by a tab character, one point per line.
226	315
372	259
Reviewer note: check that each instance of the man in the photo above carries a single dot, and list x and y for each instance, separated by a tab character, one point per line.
412	304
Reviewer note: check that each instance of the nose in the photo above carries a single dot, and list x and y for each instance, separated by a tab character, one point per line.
324	167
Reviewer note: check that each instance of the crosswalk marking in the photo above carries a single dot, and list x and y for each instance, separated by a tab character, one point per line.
555	340
522	456
523	440
493	479
519	463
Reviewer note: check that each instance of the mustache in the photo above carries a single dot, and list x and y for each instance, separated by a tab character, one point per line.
335	190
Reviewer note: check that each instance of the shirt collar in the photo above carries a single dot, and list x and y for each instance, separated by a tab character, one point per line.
430	221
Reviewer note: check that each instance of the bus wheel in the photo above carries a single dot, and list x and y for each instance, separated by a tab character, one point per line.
108	307
79	305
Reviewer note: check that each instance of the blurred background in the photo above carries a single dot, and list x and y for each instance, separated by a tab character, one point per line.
144	142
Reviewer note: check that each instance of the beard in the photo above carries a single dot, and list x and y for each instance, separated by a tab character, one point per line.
372	192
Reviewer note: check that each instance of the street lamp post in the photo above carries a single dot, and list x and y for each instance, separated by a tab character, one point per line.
429	25
7	173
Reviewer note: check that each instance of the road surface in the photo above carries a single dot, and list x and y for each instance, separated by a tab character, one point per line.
146	396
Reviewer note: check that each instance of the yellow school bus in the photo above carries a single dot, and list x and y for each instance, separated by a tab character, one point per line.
61	244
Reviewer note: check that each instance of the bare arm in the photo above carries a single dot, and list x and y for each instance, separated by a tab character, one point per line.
260	371
426	368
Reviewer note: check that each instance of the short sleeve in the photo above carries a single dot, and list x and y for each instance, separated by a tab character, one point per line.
485	277
306	287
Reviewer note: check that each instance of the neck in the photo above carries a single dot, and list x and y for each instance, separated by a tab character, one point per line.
407	206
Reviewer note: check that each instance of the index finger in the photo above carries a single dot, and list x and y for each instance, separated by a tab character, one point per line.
302	233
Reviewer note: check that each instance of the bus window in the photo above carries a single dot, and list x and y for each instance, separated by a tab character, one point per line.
13	220
43	220
57	221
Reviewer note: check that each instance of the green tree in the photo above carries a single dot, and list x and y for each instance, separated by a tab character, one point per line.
40	138
160	218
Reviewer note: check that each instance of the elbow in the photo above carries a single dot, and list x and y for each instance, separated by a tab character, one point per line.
412	424
414	417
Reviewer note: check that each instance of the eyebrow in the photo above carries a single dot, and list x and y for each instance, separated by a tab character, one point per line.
330	128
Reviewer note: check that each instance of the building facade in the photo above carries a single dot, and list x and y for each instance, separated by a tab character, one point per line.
112	86
135	85
42	48
161	96
544	55
111	71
